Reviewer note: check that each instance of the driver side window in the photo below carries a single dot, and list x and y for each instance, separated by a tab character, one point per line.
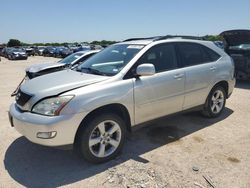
162	56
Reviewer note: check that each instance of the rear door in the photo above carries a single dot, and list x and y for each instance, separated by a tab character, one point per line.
162	93
200	69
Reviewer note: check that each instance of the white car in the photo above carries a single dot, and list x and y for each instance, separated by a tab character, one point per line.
124	85
70	61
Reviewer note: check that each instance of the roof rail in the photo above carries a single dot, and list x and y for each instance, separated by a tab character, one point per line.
157	38
147	38
179	36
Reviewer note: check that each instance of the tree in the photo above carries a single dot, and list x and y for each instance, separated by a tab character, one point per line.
213	37
13	43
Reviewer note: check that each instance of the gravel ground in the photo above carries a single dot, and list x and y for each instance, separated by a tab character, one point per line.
164	154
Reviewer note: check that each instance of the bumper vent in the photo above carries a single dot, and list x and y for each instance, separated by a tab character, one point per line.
22	98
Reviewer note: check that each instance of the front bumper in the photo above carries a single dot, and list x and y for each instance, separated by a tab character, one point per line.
20	57
29	124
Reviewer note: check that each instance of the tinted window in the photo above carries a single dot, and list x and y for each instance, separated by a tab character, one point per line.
161	56
193	54
212	54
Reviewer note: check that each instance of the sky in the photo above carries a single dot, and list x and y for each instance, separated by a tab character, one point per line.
33	21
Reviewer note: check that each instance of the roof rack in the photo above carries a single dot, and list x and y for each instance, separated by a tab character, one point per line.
157	38
148	38
179	36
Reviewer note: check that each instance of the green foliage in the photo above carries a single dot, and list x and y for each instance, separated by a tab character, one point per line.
103	42
13	43
213	37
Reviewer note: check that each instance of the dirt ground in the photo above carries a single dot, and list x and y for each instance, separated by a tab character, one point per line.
161	155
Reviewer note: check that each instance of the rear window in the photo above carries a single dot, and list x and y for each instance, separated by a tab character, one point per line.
212	54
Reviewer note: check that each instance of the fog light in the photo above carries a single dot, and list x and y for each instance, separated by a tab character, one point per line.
46	135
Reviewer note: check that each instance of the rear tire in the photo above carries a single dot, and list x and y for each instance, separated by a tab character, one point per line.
215	102
101	138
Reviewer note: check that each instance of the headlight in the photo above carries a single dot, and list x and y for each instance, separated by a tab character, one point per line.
51	106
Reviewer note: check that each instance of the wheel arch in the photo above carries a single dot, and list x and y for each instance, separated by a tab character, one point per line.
116	108
224	84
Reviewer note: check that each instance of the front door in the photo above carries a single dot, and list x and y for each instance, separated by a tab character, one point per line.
162	93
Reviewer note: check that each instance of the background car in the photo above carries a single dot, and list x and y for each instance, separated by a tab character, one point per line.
39	50
71	61
16	53
237	45
49	51
2	51
62	52
82	47
29	50
5	52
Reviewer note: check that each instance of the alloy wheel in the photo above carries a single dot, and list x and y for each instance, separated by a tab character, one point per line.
105	138
217	101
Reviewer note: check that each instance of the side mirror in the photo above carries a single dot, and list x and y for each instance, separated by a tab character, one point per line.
145	69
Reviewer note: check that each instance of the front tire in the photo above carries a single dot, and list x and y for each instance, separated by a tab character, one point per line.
215	102
101	138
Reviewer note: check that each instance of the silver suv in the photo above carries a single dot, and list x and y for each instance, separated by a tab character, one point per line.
124	85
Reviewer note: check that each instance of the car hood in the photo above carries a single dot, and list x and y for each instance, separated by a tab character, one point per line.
59	82
43	66
236	37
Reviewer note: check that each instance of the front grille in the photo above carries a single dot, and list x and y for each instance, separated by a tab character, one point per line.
22	98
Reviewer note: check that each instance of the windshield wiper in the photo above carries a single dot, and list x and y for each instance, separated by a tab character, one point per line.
93	71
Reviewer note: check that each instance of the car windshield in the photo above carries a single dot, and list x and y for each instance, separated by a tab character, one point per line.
17	50
68	60
111	60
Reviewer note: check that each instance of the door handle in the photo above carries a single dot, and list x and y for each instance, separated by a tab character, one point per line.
212	68
178	76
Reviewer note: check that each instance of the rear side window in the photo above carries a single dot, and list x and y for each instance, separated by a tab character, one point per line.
192	54
212	54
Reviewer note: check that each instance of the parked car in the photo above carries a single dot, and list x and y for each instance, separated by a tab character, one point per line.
124	85
39	50
17	54
49	51
82	48
6	51
73	48
237	45
2	52
30	51
71	61
96	47
62	52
